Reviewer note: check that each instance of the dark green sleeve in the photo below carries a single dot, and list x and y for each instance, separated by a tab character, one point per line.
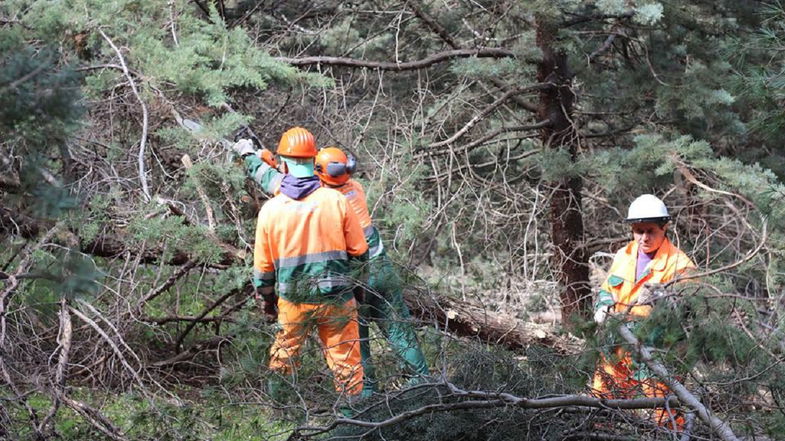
268	178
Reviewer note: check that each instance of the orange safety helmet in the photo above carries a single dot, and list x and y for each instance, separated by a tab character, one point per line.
297	142
333	166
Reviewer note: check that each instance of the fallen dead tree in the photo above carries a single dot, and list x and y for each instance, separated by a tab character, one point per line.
467	319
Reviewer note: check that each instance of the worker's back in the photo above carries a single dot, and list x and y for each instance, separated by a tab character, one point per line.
308	245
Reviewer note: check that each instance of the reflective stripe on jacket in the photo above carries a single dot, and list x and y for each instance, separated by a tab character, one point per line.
355	194
622	289
268	178
303	247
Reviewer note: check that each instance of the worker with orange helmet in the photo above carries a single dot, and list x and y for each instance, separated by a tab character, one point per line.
383	302
650	258
306	239
384	299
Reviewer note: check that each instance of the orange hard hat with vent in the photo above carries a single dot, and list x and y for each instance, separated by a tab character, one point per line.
333	166
297	142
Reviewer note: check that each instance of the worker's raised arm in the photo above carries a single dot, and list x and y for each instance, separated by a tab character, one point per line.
262	171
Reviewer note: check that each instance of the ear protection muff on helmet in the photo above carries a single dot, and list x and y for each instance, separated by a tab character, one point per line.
336	169
351	163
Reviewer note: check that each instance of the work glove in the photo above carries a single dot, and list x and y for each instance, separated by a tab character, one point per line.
268	157
269	305
270	309
602	314
243	147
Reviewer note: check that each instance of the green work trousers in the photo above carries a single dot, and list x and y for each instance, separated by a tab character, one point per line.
384	306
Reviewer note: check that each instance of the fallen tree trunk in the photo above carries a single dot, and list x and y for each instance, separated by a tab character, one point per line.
470	320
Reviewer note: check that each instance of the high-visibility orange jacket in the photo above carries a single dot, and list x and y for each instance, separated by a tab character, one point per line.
621	288
619	376
303	247
355	195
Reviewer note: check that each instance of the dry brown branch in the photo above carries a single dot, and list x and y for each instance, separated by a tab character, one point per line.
189	353
398	67
245	291
177	275
490	400
434	25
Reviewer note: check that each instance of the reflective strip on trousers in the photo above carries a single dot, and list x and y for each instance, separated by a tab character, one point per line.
376	250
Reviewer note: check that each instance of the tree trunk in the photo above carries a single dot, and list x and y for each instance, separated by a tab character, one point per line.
556	105
466	319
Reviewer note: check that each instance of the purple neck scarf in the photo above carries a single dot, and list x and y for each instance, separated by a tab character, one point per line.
643	261
298	188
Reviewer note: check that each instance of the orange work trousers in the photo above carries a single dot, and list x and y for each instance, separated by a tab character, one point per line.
617	380
338	331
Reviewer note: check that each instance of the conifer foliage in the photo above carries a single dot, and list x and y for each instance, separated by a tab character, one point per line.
500	143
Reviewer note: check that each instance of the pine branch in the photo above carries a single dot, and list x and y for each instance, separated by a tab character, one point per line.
435	26
490	400
722	428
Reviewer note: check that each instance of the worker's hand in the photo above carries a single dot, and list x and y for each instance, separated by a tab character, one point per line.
602	314
270	310
243	147
268	157
651	293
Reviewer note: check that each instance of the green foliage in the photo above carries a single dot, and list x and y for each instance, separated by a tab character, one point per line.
210	415
176	236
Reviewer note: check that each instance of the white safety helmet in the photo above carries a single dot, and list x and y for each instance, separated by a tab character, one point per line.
647	208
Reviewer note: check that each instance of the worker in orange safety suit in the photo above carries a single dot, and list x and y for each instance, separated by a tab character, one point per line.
650	258
306	239
384	302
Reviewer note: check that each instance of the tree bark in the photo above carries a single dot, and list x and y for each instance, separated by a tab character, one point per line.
465	319
556	105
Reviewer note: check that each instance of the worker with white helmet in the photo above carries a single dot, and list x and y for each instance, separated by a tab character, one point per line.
650	258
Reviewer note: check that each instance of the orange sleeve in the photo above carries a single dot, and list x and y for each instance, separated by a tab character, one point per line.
263	268
356	245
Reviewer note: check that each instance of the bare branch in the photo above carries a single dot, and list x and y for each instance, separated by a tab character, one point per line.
145	117
685	396
398	67
489	400
64	346
486	111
